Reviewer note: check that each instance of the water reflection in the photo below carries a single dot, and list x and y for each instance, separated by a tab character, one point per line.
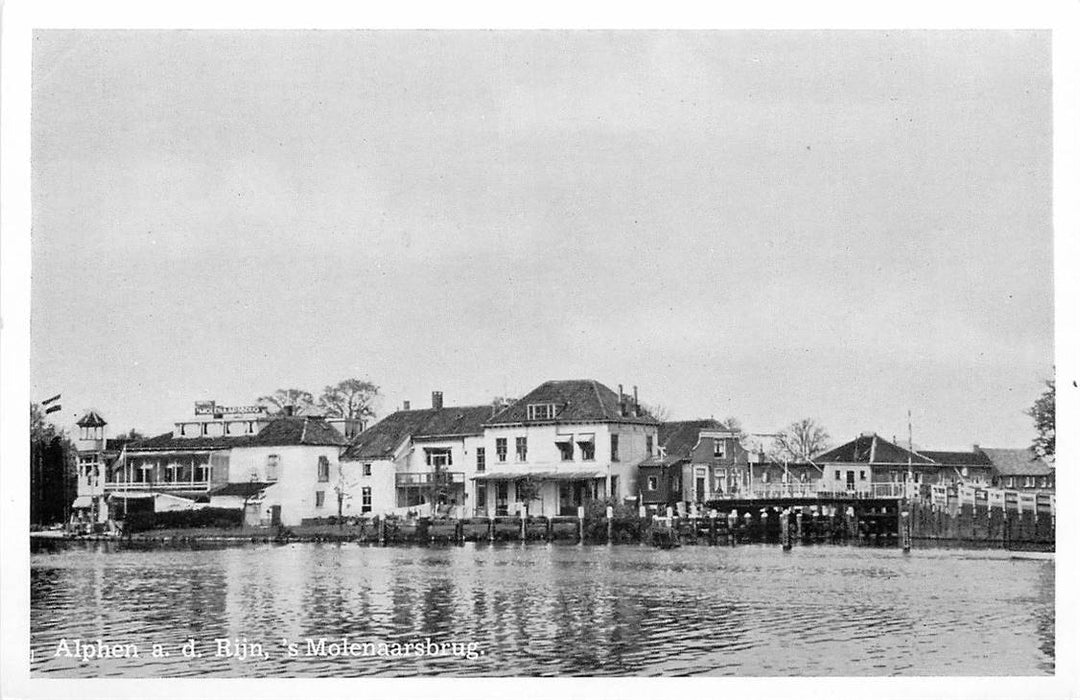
547	610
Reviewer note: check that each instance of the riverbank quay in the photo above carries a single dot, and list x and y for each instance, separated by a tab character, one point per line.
787	522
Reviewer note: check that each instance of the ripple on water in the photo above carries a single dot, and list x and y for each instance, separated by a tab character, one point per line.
550	610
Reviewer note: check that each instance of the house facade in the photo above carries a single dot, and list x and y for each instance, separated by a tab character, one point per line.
418	460
293	460
562	444
696	461
1019	468
870	465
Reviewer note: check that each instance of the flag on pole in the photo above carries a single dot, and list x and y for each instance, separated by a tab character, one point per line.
52	403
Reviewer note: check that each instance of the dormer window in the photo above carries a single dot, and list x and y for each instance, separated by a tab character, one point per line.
719	450
541	411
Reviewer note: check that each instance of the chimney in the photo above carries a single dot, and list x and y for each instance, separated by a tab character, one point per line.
404	405
622	402
637	411
436	399
288	410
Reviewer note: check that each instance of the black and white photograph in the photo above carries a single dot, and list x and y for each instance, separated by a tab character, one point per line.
488	350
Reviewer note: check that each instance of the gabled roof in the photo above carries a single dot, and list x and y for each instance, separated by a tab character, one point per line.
282	431
383	438
575	400
871	449
958	459
1017	461
678	439
91	419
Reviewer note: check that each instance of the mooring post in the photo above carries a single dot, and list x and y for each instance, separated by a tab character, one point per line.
581	524
382	531
905	529
764	524
798	525
491	528
524	517
712	526
785	529
610	522
732	523
548	530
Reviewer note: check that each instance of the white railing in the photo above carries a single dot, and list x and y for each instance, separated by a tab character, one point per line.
157	485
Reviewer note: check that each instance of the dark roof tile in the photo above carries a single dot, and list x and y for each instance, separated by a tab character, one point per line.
871	449
576	401
958	459
380	440
1017	461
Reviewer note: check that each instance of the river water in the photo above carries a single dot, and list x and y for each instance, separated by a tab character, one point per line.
514	609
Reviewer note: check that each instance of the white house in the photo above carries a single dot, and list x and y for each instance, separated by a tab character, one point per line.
571	441
420	460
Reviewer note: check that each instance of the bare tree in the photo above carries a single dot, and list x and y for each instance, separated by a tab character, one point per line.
799	441
343	489
350	398
297	398
656	411
735	425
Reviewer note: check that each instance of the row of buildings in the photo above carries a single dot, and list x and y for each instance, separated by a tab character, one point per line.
561	445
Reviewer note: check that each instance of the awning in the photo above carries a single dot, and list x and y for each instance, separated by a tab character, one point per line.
564	438
83	502
586	437
130	495
539	476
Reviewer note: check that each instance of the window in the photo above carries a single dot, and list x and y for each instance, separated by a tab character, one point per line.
719	448
522	448
652	483
862	475
719	478
1029	481
614	448
837	477
365	499
481	497
438	457
320	499
648	445
566	450
272	462
614	487
541	411
1009	482
500	449
588	450
481	459
202	472
324	468
367	468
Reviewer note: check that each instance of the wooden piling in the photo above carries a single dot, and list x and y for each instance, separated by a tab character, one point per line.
382	531
581	524
610	522
785	529
524	526
491	529
712	526
799	525
905	529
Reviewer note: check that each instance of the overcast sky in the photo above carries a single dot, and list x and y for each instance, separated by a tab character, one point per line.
770	225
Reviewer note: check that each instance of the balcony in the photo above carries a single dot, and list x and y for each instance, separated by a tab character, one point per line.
429	478
159	486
